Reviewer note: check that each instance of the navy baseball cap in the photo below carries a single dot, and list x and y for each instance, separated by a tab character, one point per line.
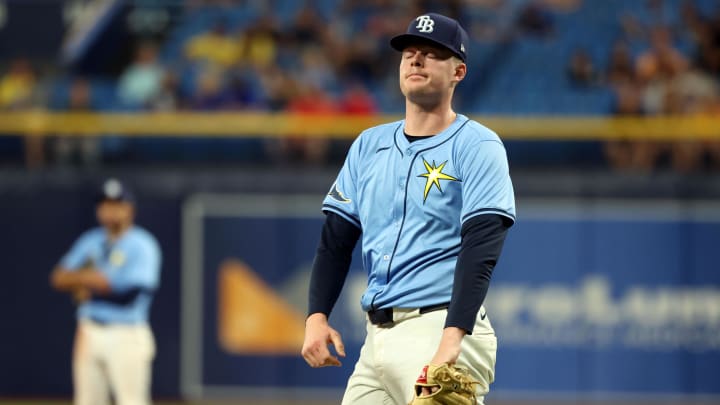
114	190
437	29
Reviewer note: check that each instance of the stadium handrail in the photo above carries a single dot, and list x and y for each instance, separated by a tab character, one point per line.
340	126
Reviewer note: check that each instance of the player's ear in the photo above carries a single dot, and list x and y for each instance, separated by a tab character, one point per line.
460	70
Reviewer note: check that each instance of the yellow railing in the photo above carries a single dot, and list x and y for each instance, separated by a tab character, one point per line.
41	123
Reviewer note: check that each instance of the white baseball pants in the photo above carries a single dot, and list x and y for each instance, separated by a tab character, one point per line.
391	358
113	359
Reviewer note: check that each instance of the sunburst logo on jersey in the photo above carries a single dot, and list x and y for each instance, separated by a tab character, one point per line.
433	176
117	258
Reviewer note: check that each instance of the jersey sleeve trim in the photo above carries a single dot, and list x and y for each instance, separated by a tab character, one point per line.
488	211
350	218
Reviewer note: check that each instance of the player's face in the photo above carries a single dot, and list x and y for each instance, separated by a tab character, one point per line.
115	215
429	73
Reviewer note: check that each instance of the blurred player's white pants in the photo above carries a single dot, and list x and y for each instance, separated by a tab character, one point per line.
115	358
391	358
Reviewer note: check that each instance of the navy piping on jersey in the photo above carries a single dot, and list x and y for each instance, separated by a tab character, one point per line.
488	211
402	223
395	138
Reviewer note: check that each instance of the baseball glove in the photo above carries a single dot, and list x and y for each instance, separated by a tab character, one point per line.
454	386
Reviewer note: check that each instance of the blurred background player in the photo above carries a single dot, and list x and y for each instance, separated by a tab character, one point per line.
112	271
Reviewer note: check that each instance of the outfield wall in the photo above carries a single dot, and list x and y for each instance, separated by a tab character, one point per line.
593	298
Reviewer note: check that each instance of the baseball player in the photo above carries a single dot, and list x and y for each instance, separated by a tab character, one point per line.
432	198
112	271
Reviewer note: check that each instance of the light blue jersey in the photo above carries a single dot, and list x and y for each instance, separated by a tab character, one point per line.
132	266
410	201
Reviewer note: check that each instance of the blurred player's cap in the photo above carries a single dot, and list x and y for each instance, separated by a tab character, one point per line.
114	190
436	28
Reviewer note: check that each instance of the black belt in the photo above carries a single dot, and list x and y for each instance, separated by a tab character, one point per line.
384	316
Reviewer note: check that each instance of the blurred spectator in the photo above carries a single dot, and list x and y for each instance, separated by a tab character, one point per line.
695	91
142	80
638	24
209	93
168	96
692	24
357	100
278	88
709	45
215	46
535	19
657	66
315	69
309	101
258	44
242	89
308	28
628	99
663	53
77	149
17	92
692	93
640	156
581	70
218	89
629	85
620	68
358	59
17	85
491	20
312	100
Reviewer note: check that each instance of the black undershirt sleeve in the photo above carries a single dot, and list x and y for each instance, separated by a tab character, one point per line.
332	263
482	241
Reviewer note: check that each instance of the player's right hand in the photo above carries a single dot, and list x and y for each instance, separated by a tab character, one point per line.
318	336
81	295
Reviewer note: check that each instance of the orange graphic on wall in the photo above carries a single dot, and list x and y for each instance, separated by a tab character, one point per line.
253	318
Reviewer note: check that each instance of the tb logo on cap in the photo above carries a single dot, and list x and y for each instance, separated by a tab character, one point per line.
425	23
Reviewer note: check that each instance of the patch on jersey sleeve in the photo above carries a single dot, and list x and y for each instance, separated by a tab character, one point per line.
433	176
338	195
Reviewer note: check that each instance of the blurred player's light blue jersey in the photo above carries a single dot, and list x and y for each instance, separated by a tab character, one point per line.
411	199
131	264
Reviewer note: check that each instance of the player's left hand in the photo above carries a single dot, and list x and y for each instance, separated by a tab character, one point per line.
448	351
450	385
